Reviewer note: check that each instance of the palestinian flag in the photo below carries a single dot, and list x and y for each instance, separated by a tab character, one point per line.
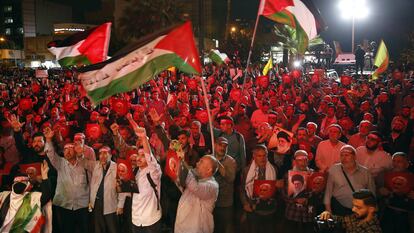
140	62
302	16
218	58
381	60
83	48
268	66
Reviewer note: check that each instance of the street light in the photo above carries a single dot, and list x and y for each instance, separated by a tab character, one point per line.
353	9
233	29
2	39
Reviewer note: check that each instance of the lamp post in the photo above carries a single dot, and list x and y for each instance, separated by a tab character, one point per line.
353	9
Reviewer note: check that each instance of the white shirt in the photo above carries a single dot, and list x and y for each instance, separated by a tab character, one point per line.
327	154
144	203
72	190
196	205
376	162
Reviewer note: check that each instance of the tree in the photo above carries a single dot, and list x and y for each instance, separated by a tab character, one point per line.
407	55
142	17
286	37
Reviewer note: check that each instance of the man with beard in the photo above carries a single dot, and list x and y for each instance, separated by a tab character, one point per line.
360	138
199	141
370	156
72	191
260	214
327	121
398	140
313	139
33	154
17	205
225	175
363	218
396	216
327	152
343	179
281	157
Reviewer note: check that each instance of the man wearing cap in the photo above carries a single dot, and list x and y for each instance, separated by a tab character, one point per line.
225	175
313	139
236	147
327	152
372	157
360	138
105	202
72	191
300	212
343	179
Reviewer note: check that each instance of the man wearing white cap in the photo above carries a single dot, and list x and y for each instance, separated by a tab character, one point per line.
343	179
327	152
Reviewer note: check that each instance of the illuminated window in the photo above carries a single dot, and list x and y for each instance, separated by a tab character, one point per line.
20	30
8	8
8	20
7	31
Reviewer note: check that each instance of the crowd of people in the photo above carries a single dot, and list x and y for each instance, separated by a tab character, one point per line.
284	148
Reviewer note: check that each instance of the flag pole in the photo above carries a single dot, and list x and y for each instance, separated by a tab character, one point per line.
210	121
252	43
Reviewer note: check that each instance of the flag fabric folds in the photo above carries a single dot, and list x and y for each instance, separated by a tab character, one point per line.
302	16
35	220
217	57
381	60
140	62
83	48
268	66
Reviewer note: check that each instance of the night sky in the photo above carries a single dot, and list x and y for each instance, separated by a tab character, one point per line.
390	20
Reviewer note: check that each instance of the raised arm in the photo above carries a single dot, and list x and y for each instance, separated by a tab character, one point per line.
203	190
45	185
55	159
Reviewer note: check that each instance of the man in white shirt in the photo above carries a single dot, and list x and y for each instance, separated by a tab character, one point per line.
195	208
370	156
72	190
146	209
328	150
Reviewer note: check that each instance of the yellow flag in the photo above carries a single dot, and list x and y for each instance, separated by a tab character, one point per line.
268	66
381	60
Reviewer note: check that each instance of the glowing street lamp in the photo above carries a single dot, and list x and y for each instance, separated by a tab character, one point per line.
2	39
233	29
353	9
